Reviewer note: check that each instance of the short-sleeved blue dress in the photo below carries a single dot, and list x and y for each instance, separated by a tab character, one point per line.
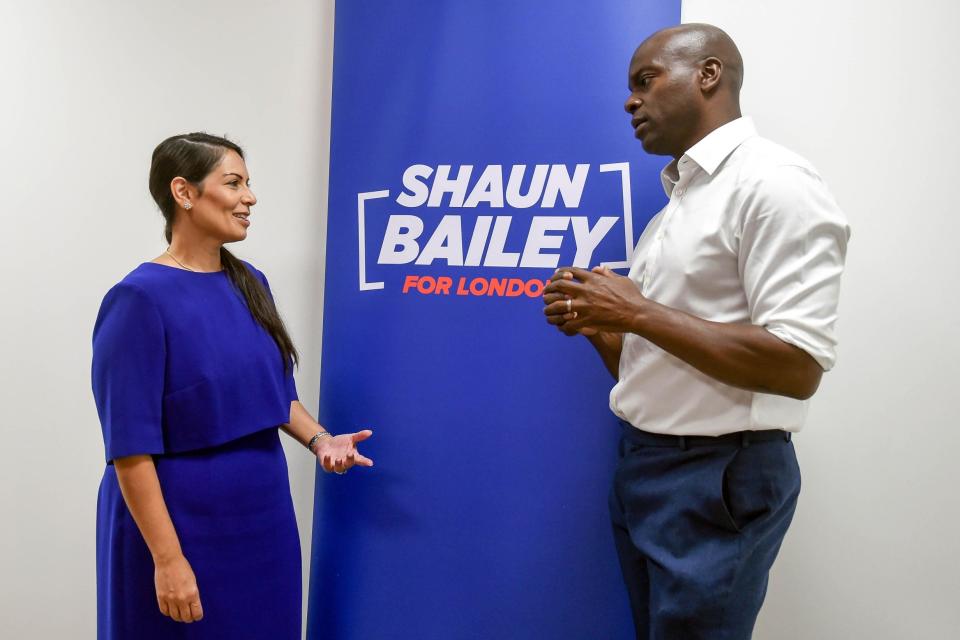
182	370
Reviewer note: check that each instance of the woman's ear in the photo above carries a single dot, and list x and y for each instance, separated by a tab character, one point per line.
183	192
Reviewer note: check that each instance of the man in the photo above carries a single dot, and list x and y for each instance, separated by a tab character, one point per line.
717	338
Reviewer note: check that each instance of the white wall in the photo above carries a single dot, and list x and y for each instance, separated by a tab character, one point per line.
88	89
866	91
863	89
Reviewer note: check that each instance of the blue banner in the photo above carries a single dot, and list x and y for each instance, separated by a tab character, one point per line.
475	147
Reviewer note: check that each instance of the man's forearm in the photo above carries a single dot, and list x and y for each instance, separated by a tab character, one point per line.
609	346
740	355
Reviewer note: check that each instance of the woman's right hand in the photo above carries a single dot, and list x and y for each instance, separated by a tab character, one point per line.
177	592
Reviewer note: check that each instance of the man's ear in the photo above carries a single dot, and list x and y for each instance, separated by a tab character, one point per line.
711	70
184	193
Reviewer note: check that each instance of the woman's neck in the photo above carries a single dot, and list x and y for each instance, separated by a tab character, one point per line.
195	256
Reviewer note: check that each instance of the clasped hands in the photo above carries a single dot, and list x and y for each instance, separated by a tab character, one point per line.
339	453
588	302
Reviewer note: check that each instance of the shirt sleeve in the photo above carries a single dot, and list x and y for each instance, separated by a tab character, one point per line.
289	383
792	250
127	373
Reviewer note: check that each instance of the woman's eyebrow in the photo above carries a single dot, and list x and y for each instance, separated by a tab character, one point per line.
235	174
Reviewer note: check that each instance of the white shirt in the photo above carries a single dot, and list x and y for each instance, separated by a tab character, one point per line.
750	235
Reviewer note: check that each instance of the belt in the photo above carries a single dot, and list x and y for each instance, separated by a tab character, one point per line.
737	438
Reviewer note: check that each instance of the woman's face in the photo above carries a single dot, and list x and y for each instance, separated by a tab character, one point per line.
223	209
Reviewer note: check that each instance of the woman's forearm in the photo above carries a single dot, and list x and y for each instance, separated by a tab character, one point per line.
140	486
302	426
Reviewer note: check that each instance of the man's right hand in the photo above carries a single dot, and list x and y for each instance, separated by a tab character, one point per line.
561	318
608	345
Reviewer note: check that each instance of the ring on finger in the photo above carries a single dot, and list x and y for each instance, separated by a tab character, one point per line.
569	305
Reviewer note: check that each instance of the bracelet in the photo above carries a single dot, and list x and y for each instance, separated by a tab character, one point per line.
317	437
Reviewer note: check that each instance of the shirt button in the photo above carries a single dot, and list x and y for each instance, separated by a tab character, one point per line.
679	192
659	235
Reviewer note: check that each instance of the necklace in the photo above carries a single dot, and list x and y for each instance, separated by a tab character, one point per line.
177	261
167	251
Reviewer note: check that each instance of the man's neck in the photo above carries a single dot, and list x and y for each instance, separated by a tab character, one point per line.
710	123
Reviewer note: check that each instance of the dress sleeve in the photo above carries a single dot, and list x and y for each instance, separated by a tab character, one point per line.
129	356
792	250
289	383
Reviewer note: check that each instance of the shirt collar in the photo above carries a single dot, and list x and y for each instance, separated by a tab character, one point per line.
711	151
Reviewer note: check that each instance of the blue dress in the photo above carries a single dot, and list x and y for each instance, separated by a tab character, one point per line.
182	370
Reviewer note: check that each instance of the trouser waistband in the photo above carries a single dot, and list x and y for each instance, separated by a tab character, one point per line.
737	438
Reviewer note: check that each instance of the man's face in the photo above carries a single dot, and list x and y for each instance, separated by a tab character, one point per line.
665	99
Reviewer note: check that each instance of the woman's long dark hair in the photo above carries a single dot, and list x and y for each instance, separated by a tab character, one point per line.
192	156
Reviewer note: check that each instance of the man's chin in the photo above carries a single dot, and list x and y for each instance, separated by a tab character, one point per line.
651	146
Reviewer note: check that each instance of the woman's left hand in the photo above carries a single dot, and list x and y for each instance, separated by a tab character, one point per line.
339	453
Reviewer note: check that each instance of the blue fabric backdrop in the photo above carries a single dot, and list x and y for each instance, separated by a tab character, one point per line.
485	515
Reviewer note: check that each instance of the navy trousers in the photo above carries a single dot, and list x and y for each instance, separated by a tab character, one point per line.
698	523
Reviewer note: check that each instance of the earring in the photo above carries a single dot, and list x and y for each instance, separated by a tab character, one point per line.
187	205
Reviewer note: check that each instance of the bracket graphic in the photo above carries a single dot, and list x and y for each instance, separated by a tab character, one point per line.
624	169
362	234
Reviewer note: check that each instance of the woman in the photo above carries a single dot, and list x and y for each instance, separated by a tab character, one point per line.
192	376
